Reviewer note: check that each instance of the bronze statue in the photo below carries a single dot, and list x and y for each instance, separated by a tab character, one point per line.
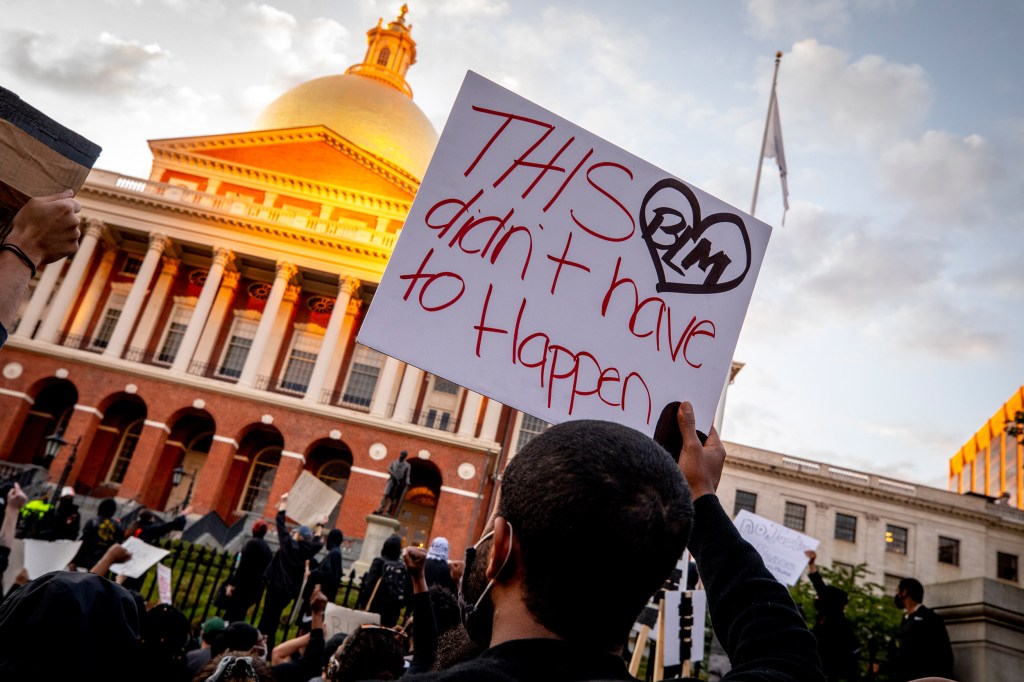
398	483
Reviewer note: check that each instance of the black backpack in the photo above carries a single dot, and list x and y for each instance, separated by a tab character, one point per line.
393	580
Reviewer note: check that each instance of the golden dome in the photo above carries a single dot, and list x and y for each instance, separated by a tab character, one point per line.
370	105
367	112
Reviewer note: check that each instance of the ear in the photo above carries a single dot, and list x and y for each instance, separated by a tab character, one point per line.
500	557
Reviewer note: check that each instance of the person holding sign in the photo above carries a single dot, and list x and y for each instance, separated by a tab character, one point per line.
538	616
286	569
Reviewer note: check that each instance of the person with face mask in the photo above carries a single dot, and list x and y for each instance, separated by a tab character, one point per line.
924	649
537	614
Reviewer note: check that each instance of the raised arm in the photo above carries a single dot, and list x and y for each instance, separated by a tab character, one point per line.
752	613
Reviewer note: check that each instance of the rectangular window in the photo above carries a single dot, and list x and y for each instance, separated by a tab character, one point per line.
239	342
846	527
529	428
1006	566
105	329
301	360
795	516
131	265
892	583
362	376
440	404
174	333
744	500
895	539
949	551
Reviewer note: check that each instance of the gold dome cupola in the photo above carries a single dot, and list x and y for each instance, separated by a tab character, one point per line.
390	53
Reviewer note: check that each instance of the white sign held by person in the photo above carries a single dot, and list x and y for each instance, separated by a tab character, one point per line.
550	270
781	548
43	556
343	619
144	556
310	499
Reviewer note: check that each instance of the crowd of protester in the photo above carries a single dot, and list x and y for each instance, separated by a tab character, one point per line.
533	599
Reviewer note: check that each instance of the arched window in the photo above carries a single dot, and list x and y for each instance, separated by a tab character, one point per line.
261	477
335	474
383	57
125	448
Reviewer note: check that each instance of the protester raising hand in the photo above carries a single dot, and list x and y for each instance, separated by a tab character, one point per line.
415	559
701	464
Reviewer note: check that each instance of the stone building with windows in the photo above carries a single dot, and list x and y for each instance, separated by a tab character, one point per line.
898	529
208	322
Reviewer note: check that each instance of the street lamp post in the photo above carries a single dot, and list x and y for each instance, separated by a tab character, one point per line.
54	442
179	473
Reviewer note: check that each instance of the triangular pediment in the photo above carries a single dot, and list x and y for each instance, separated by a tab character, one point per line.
314	154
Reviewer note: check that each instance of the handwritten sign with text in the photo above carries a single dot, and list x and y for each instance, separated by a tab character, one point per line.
781	548
544	267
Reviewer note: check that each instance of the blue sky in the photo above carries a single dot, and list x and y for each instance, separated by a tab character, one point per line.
887	322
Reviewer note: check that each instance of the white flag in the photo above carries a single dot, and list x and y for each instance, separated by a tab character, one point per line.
773	148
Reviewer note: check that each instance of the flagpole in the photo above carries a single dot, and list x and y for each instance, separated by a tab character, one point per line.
764	137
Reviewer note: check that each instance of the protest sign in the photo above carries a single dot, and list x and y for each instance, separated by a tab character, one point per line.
342	619
163	582
781	548
143	557
310	499
43	556
692	607
552	271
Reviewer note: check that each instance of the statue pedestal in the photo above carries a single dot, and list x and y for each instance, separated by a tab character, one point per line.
378	529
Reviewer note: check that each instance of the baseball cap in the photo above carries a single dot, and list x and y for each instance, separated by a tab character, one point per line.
305	532
213	624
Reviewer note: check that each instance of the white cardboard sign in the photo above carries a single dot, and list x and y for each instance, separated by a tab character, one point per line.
343	619
144	556
43	556
781	548
550	270
310	499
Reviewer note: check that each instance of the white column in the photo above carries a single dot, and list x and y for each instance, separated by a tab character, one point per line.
157	302
197	322
40	297
407	394
228	284
282	324
133	304
325	357
470	411
347	332
489	430
69	288
90	300
385	385
283	273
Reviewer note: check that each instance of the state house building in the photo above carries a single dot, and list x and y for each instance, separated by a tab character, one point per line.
208	321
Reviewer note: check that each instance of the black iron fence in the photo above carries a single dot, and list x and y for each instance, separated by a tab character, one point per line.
196	573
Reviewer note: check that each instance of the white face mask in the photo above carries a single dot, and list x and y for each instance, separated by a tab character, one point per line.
476	620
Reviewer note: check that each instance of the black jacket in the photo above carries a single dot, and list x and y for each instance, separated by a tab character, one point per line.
755	618
288	565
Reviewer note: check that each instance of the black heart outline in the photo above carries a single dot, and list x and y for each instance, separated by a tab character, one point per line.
689	234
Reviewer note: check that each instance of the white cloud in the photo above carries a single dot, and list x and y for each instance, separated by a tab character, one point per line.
835	102
797	18
948	178
273	27
104	66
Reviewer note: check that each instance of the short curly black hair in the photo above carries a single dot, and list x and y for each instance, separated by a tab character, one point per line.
602	514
